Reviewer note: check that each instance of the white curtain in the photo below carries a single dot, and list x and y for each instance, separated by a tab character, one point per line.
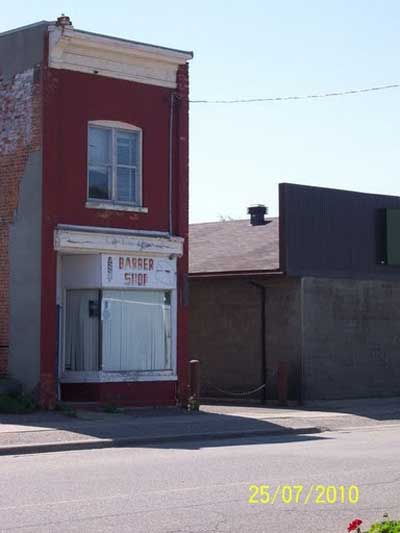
136	331
81	336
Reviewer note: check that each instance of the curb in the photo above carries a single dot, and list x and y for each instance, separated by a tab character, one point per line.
91	444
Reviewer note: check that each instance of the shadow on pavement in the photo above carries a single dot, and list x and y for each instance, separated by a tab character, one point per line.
379	409
373	408
170	427
243	441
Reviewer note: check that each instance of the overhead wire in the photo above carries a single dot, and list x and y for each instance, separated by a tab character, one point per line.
300	97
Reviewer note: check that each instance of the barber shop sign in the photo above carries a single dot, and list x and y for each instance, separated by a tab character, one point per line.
137	271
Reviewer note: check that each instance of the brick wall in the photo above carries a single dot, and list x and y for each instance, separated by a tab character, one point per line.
20	134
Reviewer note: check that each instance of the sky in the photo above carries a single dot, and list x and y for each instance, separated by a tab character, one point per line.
239	153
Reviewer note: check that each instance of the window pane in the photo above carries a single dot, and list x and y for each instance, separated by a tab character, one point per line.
100	182
127	148
99	146
82	331
136	331
126	189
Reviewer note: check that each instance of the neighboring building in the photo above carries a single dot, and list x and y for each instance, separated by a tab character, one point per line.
314	295
93	216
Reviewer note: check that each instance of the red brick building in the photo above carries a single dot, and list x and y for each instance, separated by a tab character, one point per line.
93	216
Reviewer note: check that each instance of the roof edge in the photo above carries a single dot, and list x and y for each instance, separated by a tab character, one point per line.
26	27
238	273
188	53
268	219
286	184
71	36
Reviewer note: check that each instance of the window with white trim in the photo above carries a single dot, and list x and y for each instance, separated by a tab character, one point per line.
114	164
118	331
136	330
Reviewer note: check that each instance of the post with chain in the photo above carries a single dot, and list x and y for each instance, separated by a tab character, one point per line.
194	376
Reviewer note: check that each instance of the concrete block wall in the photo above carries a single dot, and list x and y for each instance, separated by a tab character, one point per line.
351	338
283	334
224	333
20	136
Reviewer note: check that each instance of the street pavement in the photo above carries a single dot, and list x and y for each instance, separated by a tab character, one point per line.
52	431
203	486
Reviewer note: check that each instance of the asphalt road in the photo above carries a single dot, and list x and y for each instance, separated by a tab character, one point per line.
204	487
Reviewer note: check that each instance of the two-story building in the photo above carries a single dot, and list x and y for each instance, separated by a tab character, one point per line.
93	216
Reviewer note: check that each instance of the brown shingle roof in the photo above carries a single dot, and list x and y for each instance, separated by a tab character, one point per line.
233	245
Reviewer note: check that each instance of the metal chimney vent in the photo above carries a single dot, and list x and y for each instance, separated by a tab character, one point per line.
257	214
63	21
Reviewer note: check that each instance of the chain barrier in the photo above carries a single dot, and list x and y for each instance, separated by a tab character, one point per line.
203	364
231	393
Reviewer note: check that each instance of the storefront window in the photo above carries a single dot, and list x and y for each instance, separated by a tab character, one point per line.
82	330
134	328
136	331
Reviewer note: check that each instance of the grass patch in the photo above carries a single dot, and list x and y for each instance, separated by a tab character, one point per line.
17	404
389	526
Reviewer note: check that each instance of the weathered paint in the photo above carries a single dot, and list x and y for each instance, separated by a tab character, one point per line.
138	271
180	223
115	241
137	393
25	277
20	187
22	49
72	99
116	58
16	119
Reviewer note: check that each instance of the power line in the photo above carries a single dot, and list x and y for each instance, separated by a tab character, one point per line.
304	97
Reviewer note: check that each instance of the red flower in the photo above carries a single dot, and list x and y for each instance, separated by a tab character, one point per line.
354	524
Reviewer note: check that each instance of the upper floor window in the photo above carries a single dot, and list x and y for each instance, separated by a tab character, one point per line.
114	163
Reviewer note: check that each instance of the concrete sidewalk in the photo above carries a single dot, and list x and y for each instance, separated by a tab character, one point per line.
58	431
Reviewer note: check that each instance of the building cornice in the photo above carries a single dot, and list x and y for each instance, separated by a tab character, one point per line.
77	50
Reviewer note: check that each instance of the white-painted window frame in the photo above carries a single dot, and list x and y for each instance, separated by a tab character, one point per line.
113	203
100	375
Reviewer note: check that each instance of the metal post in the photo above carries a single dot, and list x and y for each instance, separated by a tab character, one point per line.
194	376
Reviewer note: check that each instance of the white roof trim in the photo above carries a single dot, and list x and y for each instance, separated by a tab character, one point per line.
75	241
107	56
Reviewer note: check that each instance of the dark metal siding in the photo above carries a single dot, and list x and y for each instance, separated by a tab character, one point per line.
333	233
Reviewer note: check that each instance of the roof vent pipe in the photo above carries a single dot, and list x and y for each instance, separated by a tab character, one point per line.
257	214
63	21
